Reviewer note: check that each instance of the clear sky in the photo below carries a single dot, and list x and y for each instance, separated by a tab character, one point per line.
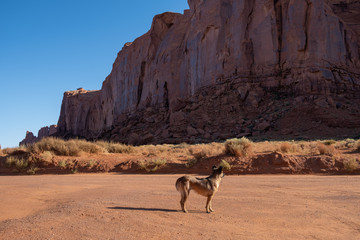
48	47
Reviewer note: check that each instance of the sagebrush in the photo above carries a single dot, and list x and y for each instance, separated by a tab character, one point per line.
239	147
351	165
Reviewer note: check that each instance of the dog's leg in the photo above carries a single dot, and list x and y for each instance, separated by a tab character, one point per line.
184	196
208	204
210	207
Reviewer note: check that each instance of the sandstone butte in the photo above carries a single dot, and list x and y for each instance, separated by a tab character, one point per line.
229	68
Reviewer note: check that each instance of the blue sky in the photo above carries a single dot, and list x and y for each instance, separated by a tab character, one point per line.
48	47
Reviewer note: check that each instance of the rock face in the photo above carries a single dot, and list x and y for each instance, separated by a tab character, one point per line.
229	68
43	132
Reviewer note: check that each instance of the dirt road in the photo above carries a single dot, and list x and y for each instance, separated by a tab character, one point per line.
99	206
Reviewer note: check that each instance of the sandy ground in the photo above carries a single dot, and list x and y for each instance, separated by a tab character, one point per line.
112	206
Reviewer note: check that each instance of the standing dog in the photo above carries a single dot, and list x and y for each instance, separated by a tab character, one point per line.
206	187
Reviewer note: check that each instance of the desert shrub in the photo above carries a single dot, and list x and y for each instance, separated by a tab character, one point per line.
112	147
239	147
225	165
321	148
10	161
62	164
191	162
46	157
91	163
351	165
152	166
328	150
58	146
13	151
120	148
340	144
350	143
32	170
88	147
357	146
102	144
286	147
148	150
21	163
61	147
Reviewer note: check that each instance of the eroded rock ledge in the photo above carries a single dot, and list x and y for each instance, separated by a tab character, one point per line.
229	68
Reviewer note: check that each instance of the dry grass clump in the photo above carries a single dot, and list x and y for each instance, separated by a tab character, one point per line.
10	161
21	164
112	147
345	144
62	164
91	163
351	165
46	157
88	147
225	165
32	170
62	147
357	146
148	150
151	166
57	146
328	150
75	147
13	151
286	147
18	163
239	147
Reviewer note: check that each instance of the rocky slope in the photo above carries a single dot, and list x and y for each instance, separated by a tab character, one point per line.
229	68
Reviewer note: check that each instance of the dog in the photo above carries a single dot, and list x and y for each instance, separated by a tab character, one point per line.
206	187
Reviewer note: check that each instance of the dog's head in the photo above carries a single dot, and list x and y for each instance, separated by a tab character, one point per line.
218	171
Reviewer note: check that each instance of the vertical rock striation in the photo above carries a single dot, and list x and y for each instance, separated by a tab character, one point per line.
228	68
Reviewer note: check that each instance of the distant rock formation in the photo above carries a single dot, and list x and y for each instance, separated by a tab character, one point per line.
229	68
43	132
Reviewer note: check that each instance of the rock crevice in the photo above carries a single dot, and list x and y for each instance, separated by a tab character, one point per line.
226	68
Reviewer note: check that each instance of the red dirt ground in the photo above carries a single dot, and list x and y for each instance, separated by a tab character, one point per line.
116	206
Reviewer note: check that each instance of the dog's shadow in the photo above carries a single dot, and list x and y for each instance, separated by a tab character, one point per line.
143	209
151	209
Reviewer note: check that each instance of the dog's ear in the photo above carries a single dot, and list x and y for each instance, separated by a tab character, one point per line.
220	168
213	167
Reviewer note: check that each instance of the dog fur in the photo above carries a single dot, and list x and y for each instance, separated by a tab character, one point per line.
206	187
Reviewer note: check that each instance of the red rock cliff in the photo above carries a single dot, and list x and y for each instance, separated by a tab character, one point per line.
229	68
